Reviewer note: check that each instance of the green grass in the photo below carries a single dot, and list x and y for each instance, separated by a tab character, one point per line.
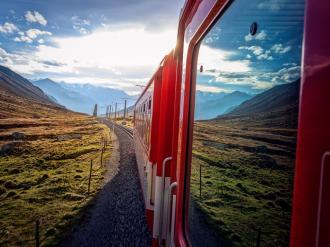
46	175
246	182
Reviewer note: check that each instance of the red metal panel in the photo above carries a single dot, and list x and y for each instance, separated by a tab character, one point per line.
155	116
166	113
314	126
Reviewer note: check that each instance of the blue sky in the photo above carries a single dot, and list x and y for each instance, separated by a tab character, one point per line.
108	42
233	59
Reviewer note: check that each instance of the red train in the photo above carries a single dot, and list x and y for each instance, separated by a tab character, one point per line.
232	132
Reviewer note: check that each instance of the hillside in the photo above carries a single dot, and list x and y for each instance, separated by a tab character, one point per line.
276	98
19	86
276	107
210	106
45	153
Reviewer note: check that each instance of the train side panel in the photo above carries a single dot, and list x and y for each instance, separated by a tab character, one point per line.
145	135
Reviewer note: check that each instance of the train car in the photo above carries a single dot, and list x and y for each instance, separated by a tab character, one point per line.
146	117
244	161
153	145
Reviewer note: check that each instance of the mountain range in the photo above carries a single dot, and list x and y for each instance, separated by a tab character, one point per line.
280	97
83	97
210	105
276	107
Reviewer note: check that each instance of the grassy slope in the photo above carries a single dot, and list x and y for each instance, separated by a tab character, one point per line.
46	174
247	175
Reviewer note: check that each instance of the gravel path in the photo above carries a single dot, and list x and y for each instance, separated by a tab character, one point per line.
117	217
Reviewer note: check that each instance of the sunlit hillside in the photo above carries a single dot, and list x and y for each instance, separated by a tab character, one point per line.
45	160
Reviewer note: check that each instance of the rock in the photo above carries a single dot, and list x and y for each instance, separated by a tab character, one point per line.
2	190
50	232
261	149
10	185
7	148
14	171
11	193
18	135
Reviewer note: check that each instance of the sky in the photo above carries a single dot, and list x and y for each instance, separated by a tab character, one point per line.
114	43
235	60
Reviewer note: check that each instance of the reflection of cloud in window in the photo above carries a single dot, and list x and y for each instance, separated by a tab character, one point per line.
260	36
211	89
256	80
289	64
273	5
258	51
286	75
279	48
212	58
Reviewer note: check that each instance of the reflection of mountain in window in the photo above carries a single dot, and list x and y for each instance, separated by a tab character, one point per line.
246	112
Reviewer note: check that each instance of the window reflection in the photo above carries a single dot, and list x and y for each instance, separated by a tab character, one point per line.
246	111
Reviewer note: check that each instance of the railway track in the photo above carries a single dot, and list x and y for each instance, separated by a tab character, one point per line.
127	130
117	217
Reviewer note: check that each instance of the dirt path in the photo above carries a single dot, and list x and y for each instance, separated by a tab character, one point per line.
117	217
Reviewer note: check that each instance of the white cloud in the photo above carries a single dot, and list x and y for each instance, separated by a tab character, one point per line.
286	75
211	89
273	5
80	24
279	48
34	33
260	36
217	59
30	35
258	51
118	57
8	28
23	39
290	64
35	16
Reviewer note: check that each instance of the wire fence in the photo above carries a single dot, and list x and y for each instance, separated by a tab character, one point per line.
36	231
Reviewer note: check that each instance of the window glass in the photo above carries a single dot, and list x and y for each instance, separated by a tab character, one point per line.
245	128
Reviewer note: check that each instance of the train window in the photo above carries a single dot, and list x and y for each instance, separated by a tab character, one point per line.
245	125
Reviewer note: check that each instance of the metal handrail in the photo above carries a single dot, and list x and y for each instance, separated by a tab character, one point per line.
172	186
162	201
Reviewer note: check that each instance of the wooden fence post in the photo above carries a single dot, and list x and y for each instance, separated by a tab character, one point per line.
90	176
200	181
258	238
102	151
37	234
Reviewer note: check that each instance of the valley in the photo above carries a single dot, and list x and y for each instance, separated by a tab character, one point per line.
46	152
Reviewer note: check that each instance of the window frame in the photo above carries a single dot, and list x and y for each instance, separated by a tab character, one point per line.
191	59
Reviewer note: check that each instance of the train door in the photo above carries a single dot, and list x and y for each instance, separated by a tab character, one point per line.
164	151
243	103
